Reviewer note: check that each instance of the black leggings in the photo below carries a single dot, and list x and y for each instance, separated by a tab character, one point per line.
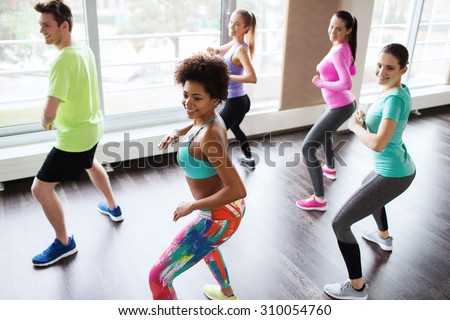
370	199
321	135
232	114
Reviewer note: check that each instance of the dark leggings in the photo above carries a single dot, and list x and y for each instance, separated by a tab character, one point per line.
232	114
370	199
321	134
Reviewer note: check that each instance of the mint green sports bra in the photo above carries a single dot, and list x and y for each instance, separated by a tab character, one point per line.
195	168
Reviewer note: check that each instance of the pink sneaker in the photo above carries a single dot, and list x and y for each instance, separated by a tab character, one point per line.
311	204
329	173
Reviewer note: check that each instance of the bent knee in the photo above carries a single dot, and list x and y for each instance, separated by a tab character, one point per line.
40	188
155	278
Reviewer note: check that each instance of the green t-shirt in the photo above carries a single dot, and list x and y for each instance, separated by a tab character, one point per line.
394	160
73	80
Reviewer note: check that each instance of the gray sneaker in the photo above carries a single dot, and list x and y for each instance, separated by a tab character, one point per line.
247	163
345	291
374	236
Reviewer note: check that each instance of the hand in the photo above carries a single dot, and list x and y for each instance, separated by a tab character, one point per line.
48	126
211	51
355	120
183	209
169	139
361	115
315	79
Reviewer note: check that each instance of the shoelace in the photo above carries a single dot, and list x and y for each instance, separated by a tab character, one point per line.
50	249
346	285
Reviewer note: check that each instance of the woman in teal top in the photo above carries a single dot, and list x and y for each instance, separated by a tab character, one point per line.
393	174
217	189
195	168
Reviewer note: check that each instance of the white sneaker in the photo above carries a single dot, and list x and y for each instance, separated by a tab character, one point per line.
329	173
345	291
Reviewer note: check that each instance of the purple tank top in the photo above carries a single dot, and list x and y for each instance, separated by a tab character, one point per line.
235	89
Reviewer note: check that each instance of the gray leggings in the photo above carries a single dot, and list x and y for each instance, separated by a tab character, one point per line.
321	135
370	199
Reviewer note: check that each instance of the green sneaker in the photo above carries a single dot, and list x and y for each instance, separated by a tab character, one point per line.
213	292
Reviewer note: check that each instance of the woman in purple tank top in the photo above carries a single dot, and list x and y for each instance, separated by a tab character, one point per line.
238	54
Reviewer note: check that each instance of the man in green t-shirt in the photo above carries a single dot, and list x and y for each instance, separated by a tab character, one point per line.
72	108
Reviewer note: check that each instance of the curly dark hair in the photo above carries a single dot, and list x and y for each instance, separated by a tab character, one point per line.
211	71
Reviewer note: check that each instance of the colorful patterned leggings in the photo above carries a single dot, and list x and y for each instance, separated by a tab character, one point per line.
198	240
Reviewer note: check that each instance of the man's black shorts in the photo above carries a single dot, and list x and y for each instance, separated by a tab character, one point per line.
65	166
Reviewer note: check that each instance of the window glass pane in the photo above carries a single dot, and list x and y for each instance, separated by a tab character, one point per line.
431	59
396	12
25	60
140	44
430	53
436	11
270	19
390	23
433	33
430	71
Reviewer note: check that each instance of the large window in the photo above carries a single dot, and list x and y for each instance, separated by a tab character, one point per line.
140	43
431	58
270	18
423	26
137	44
24	61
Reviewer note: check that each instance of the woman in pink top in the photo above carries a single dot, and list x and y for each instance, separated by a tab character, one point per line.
334	79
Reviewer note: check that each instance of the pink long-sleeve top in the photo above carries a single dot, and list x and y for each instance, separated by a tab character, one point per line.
336	70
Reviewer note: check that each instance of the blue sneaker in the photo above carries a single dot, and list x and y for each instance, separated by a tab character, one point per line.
115	214
56	251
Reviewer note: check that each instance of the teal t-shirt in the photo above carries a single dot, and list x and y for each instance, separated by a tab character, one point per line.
73	80
394	161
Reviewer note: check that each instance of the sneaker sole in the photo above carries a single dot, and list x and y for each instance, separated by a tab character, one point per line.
116	219
208	296
312	209
211	298
247	167
326	175
382	246
346	298
69	253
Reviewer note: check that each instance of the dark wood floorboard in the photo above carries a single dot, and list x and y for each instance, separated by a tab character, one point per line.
279	252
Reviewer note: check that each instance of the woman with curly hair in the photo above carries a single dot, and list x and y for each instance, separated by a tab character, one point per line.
215	185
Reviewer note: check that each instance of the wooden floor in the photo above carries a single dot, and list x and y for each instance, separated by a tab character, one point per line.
279	252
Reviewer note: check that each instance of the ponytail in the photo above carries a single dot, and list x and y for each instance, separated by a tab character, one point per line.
352	39
350	23
250	22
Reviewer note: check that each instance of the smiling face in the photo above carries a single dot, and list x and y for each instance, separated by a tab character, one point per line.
197	102
337	31
49	28
236	26
388	71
